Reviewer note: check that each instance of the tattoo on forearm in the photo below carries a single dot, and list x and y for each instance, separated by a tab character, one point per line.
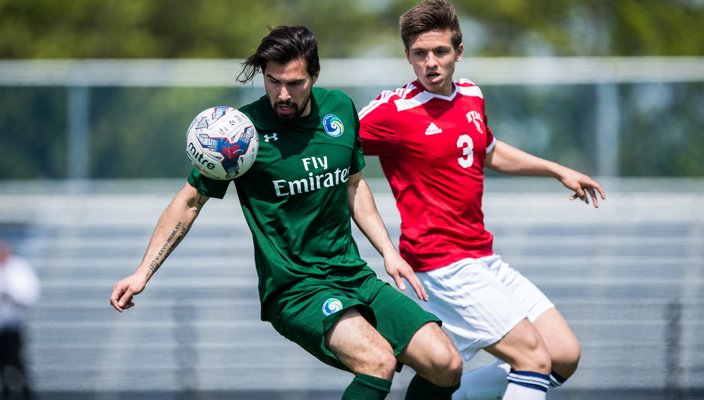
171	242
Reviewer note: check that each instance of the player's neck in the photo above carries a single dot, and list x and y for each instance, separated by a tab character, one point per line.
444	90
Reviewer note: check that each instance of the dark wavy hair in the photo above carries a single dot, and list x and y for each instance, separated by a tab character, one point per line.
282	45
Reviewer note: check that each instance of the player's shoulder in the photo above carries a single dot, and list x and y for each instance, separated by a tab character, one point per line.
404	92
327	99
322	94
468	88
257	111
387	100
465	82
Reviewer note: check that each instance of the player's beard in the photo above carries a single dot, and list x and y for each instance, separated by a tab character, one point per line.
297	110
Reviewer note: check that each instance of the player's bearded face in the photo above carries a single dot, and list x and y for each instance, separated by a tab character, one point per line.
288	87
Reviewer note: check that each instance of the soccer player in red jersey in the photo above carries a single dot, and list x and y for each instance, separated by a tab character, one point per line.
434	144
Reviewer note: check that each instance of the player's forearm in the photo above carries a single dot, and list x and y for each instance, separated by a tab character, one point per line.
509	160
172	227
167	235
373	228
367	217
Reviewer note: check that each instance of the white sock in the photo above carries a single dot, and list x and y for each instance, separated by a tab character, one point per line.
484	383
526	385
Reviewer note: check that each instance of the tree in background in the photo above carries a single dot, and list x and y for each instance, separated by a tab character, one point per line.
175	28
231	28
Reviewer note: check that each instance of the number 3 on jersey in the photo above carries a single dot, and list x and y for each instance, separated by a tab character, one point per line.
464	142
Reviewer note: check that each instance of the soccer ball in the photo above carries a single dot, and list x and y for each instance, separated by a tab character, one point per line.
222	143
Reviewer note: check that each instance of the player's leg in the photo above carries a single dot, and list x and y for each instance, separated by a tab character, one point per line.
524	350
365	353
478	310
417	340
562	344
5	355
360	347
489	382
335	327
560	340
12	371
431	354
522	371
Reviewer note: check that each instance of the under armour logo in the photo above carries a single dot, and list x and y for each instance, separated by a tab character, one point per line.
273	137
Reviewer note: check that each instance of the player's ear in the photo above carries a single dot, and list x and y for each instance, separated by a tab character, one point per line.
460	52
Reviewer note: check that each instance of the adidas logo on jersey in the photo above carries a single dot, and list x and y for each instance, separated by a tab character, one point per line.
432	129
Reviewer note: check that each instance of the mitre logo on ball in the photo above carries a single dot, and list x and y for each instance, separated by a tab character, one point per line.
222	143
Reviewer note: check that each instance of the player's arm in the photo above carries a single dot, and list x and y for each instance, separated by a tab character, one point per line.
512	161
171	228
366	216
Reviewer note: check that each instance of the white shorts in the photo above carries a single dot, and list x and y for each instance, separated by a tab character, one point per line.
481	300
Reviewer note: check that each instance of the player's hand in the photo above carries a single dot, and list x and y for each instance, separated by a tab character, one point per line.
584	187
123	291
399	269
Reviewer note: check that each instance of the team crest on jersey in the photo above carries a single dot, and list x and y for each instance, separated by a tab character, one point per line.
331	306
333	125
475	118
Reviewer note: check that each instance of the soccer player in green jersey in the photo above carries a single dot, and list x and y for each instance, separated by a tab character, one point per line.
298	198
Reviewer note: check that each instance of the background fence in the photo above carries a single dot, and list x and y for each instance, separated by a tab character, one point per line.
110	119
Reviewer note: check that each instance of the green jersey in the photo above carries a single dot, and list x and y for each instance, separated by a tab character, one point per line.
294	197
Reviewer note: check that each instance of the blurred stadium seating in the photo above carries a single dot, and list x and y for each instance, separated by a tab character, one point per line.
628	276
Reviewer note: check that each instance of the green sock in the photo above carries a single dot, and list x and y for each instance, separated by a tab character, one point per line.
420	389
367	387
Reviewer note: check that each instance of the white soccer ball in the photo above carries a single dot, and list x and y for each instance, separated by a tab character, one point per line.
222	143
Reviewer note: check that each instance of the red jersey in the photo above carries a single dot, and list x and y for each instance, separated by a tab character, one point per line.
432	151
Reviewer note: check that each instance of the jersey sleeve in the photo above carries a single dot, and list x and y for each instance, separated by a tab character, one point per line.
377	130
490	139
206	186
357	163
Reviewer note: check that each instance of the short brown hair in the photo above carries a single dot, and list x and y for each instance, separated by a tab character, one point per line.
430	15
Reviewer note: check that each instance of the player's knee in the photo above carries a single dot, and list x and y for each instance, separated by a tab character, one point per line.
574	355
455	368
538	358
542	361
388	363
567	361
446	367
532	355
382	364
